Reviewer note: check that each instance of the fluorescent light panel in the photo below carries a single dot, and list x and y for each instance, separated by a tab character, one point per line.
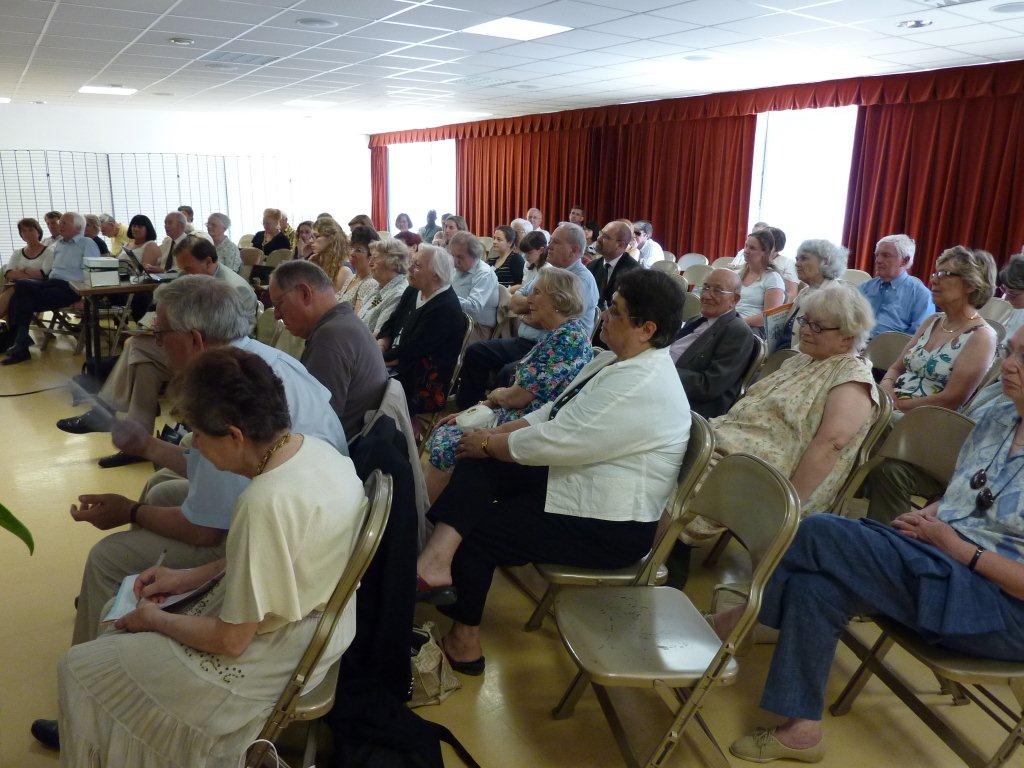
105	90
516	29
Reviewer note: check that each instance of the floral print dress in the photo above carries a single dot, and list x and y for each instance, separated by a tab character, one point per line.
926	371
545	371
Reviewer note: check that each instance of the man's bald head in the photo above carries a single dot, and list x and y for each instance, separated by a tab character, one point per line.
614	239
720	293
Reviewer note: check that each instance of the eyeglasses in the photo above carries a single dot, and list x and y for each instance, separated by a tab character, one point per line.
618	314
944	273
715	290
638	232
815	327
1004	352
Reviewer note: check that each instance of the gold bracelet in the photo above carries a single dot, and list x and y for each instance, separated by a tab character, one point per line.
483	446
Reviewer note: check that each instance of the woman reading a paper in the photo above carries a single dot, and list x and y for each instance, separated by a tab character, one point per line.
194	687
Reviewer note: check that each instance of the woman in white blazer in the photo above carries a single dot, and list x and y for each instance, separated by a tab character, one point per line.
582	481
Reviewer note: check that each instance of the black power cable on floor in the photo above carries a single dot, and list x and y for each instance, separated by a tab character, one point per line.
34	391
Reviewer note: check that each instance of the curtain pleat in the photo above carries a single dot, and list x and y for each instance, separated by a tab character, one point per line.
379	187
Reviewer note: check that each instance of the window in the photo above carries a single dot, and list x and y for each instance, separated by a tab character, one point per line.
801	172
421	177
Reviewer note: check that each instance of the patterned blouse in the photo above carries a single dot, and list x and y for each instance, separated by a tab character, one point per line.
927	372
357	290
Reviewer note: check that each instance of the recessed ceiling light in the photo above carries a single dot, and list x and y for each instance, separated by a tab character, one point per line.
516	29
315	23
221	66
181	41
310	103
698	57
4	100
108	90
915	23
162	93
1008	8
38	102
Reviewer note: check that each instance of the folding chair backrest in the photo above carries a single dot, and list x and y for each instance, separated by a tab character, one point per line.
757	361
775	360
670	257
691	306
470	324
244	241
696	273
997	309
688	260
378	490
276	257
855	277
266	328
885	349
723	262
251	256
930	438
876	433
289	343
994	372
668	267
999	328
699	450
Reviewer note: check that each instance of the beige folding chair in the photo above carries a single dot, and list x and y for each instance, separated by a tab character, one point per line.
855	277
295	704
757	361
994	372
268	329
696	273
488	244
723	262
648	571
670	257
427	421
504	319
691	306
967	676
654	637
244	241
997	309
251	256
683	282
886	348
775	360
668	267
276	257
245	271
1000	330
289	343
688	260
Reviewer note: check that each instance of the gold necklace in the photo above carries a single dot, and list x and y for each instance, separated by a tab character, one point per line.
271	451
945	327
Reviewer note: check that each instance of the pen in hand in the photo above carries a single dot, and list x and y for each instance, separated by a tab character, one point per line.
159	562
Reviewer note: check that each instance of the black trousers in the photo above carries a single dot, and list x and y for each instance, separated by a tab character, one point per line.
498	508
31	296
483	359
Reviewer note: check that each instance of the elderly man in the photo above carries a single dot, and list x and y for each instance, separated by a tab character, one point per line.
475	283
714	351
651	252
92	231
432	228
31	296
536	218
52	221
117	233
175	226
340	352
567	245
900	301
142	369
577	215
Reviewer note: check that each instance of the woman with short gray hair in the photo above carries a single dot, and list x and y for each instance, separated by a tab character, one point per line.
555	305
227	252
819	264
389	261
1011	281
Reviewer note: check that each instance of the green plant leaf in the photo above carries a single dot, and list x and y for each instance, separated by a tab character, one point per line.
14	525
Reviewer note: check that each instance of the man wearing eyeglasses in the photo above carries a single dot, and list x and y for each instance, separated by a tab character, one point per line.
650	251
713	352
612	263
900	301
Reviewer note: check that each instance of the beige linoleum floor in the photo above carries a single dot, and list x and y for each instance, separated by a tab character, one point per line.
503	717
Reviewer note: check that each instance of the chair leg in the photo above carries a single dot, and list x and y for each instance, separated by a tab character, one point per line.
567	706
950	688
309	754
860	678
716	551
537	617
616	725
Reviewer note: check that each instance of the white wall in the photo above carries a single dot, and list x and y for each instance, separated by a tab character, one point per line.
329	163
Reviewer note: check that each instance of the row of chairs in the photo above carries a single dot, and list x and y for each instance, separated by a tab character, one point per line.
272	332
254	256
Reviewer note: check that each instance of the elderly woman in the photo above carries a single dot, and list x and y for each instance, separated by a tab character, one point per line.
582	480
964	550
361	284
809	418
1011	281
330	250
194	687
819	264
523	228
508	263
304	237
763	287
534	248
554	305
227	252
33	262
271	237
403	223
389	262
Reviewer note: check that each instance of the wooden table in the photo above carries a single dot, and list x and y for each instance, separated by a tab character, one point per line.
91	316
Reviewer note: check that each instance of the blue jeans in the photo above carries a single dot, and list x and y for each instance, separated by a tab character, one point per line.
837	568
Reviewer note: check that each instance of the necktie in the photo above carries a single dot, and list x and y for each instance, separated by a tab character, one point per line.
169	261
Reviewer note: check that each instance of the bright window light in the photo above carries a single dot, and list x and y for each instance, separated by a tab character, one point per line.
310	103
107	90
516	29
421	176
4	100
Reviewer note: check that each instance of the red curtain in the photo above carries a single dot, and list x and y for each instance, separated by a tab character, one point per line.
945	172
379	186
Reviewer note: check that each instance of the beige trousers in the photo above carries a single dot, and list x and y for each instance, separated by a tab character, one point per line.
135	383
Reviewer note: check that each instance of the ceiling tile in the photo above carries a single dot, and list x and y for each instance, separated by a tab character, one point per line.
708	37
647	49
976	33
405	33
585	40
363	9
593	58
224	10
162	39
185	26
531	50
443	17
927	56
288	19
18	38
120	6
1010	48
709	12
637	6
82	44
850	11
287	36
27	9
469	42
462	68
939	19
835	36
495	7
570	13
774	24
1015	24
982	11
324	58
643	26
22	25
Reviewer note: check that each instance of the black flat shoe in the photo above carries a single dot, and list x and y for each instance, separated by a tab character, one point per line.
46	733
437	596
16	356
473	668
119	459
91	421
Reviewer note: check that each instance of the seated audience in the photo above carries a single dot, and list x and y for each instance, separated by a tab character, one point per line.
582	480
591	230
451	225
496	356
819	264
118	233
554	305
440	240
389	262
577	215
360	285
54	292
142	369
809	418
287	229
228	254
422	338
901	302
195	687
740	259
535	253
52	221
507	262
362	220
270	238
92	231
304	237
403	223
650	251
536	219
174	227
964	550
142	241
942	365
330	250
411	240
523	228
474	283
763	286
431	228
713	352
1011	281
33	262
340	352
190	215
784	265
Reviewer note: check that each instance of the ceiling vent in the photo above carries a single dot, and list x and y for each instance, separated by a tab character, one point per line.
247	59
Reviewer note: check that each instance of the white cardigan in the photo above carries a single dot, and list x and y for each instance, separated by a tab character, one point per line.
614	450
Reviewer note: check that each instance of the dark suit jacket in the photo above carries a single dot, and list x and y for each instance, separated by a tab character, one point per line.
606	280
425	345
712	368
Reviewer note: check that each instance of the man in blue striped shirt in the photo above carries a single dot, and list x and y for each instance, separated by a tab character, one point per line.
901	302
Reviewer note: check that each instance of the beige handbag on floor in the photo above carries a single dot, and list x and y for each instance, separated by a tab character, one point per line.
433	680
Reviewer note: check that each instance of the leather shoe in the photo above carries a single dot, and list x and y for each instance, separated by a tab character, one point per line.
762	747
91	421
119	459
46	734
16	356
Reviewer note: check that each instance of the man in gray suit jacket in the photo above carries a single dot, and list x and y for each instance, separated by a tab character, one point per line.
713	352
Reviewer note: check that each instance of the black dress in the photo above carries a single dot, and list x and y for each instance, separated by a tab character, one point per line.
280	240
511	272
